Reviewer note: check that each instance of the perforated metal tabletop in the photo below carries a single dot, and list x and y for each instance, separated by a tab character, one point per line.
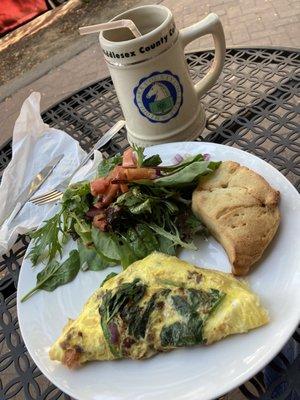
254	107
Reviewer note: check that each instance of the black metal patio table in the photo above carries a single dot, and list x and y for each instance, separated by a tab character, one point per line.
254	107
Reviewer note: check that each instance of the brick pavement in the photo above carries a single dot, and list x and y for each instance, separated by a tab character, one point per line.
246	23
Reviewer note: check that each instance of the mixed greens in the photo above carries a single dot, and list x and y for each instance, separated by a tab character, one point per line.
133	207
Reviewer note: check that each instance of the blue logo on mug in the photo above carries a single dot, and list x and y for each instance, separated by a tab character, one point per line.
159	96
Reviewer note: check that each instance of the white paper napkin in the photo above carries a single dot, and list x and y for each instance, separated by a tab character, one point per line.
34	145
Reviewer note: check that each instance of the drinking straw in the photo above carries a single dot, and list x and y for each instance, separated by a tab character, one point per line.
122	23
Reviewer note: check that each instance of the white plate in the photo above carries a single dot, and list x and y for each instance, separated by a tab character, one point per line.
194	373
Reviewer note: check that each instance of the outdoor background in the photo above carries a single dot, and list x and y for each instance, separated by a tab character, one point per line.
49	56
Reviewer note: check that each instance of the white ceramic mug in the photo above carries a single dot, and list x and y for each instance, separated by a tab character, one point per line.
159	101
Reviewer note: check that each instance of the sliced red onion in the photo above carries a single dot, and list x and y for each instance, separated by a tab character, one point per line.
206	156
158	172
114	333
177	159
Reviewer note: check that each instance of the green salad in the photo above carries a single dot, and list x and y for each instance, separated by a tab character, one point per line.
133	207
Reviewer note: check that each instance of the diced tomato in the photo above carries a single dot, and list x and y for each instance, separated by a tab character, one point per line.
108	188
140	173
110	194
124	187
129	159
99	186
117	173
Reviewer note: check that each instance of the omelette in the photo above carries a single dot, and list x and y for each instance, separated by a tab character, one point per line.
158	304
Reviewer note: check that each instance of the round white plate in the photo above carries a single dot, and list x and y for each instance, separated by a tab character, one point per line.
193	373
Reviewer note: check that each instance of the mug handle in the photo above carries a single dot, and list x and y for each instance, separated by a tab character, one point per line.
210	24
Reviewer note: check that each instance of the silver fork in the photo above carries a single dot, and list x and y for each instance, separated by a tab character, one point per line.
56	193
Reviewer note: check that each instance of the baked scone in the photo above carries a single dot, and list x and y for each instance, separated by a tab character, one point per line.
240	209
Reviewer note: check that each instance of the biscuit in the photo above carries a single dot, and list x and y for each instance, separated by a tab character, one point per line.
240	209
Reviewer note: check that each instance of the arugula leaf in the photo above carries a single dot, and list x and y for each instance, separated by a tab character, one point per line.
139	200
139	152
166	245
152	161
189	225
49	238
56	274
174	238
171	207
90	259
142	207
106	244
135	202
46	239
188	174
195	225
108	165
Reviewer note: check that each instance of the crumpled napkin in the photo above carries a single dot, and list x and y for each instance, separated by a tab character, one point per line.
34	145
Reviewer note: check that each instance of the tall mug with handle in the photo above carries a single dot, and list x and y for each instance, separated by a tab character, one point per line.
159	101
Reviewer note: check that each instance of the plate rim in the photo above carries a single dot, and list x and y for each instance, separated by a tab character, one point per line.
226	387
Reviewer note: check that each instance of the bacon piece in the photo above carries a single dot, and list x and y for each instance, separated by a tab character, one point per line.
93	211
100	223
71	358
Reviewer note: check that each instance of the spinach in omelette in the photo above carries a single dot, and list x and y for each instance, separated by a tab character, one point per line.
136	326
155	305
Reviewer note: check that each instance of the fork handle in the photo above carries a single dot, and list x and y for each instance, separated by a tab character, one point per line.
101	142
